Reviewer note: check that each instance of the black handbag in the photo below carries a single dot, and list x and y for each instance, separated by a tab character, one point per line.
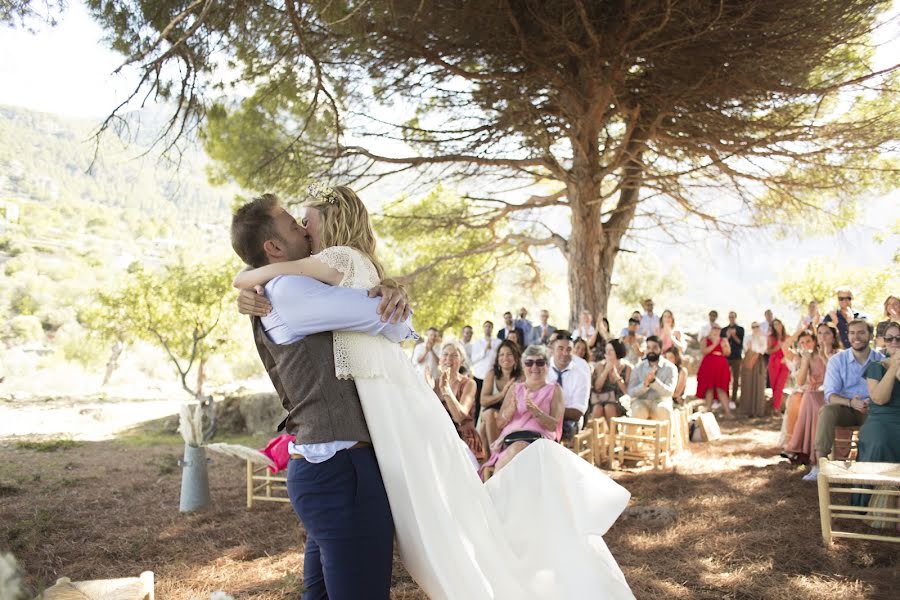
525	435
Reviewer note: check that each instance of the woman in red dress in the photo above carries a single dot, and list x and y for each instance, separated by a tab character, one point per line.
714	376
778	370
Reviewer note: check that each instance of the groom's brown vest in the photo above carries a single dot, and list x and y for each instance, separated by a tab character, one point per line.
321	407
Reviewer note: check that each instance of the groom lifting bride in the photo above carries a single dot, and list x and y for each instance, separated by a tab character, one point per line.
376	454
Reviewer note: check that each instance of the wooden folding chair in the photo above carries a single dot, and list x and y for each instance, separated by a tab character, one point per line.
844	477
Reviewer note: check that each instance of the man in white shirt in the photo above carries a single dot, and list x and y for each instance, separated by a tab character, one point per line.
466	341
425	355
708	326
573	374
649	322
484	352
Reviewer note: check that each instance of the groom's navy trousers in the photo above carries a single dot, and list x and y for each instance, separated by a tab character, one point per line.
350	533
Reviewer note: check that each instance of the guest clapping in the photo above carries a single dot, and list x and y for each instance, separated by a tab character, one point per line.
669	334
609	385
574	377
506	372
457	393
892	315
778	370
714	376
651	384
585	329
879	438
532	410
673	355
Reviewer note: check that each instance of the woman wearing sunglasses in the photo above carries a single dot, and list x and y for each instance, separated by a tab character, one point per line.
532	410
879	437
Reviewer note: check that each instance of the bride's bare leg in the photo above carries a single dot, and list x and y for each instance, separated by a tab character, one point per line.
510	454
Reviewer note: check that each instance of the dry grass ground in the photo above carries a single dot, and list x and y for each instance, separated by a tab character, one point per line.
747	526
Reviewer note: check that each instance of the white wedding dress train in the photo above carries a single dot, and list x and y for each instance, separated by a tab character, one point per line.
532	532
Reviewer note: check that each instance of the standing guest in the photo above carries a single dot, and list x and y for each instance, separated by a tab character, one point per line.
766	325
814	359
753	373
425	355
673	355
778	369
633	342
540	333
484	351
507	370
524	325
597	343
734	334
609	385
573	375
892	315
649	322
585	329
509	326
651	385
846	392
713	376
712	323
843	314
793	359
532	410
669	335
812	318
466	340
457	393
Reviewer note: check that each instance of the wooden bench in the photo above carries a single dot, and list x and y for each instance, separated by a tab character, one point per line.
600	440
844	477
640	440
265	486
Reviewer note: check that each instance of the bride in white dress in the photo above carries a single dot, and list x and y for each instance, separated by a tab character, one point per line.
533	531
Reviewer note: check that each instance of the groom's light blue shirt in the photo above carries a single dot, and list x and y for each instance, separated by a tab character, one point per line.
302	306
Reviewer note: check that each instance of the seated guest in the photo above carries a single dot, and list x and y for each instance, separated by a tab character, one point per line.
508	327
879	438
846	392
673	355
609	387
580	349
574	377
540	333
814	359
506	372
532	410
892	315
457	393
652	384
633	342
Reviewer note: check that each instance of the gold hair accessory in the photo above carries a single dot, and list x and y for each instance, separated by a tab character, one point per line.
321	191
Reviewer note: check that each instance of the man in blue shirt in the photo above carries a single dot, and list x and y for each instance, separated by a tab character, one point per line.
846	392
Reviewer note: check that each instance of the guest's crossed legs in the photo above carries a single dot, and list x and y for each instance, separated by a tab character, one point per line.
344	508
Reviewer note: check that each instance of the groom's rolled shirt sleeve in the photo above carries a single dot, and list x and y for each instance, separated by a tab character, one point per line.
307	306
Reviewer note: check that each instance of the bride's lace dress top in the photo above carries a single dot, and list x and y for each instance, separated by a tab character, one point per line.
355	354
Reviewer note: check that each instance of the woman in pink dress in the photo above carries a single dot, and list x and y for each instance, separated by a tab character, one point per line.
778	370
531	410
811	375
714	376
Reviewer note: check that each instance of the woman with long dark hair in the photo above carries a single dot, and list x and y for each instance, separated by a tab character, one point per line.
506	372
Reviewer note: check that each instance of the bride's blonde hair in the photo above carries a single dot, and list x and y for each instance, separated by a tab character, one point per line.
345	221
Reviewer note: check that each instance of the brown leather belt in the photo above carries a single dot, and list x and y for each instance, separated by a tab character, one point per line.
353	447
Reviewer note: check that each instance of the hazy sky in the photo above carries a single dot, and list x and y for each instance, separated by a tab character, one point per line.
67	70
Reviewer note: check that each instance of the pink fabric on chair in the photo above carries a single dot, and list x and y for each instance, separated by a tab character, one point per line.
277	451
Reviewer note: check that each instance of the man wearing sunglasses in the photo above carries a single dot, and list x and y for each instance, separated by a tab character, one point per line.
573	375
843	314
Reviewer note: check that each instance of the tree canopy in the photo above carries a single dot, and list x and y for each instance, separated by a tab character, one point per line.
727	113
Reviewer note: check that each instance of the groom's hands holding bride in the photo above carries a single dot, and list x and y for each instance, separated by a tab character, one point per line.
394	302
